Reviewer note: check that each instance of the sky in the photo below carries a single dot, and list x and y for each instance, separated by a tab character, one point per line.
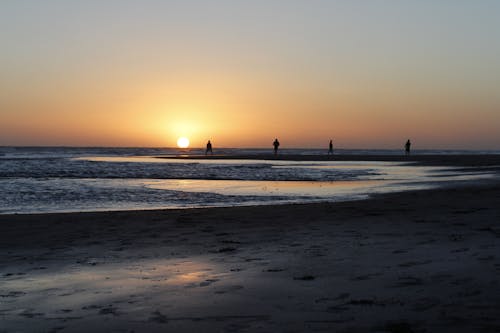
367	74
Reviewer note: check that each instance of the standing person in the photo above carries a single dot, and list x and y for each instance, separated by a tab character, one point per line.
276	144
407	147
209	148
330	148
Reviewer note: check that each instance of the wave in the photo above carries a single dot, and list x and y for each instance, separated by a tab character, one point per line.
73	168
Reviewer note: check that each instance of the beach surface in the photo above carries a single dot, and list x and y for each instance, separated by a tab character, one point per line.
420	261
456	160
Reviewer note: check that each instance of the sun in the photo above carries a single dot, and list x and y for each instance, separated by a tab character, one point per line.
183	142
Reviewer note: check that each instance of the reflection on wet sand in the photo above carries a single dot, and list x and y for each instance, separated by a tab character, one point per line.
142	182
378	177
101	281
427	260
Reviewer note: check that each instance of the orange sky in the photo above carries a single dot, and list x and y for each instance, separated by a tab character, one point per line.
241	75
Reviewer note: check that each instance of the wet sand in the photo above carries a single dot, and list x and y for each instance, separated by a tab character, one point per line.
464	160
424	261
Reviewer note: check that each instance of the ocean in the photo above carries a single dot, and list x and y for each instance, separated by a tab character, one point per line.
73	179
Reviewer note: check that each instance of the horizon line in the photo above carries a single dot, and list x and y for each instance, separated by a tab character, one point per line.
263	148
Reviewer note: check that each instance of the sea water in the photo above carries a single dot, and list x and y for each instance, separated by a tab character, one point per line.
62	179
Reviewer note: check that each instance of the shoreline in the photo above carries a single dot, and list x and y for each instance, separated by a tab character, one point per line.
459	160
468	164
360	198
100	214
420	261
463	167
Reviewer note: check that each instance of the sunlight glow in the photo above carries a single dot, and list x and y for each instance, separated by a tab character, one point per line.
183	142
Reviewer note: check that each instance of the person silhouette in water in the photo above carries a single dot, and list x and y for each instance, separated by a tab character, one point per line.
407	147
209	148
276	144
330	148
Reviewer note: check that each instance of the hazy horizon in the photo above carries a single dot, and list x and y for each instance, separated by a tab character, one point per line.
142	74
337	150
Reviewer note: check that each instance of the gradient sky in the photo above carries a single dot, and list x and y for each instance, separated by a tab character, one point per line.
368	74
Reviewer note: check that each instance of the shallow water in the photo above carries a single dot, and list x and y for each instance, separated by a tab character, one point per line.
92	179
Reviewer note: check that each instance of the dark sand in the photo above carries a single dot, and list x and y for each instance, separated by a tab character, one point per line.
425	261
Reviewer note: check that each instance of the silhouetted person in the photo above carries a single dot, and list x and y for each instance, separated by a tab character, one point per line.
276	144
407	147
209	148
330	148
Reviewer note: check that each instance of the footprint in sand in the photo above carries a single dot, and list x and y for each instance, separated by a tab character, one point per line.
208	282
228	289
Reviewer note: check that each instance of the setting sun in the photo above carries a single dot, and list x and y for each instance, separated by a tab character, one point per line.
183	142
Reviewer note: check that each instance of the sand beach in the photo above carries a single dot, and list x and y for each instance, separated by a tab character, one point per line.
250	166
419	261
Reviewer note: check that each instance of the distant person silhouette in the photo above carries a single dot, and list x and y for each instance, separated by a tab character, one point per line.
330	148
407	147
209	148
276	144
